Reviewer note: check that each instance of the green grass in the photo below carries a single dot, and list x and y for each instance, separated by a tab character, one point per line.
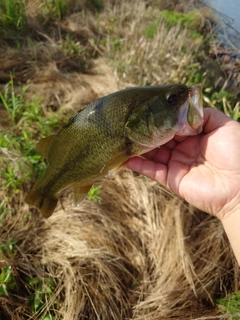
230	305
190	19
40	292
12	16
222	101
12	102
3	210
27	121
54	9
151	29
57	10
93	193
7	282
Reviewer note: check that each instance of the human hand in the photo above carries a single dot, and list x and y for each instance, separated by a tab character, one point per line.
204	169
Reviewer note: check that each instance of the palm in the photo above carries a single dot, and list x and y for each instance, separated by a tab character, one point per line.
203	169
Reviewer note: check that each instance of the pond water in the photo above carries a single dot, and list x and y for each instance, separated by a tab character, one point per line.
230	9
228	14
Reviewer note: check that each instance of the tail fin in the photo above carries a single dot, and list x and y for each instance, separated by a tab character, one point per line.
45	204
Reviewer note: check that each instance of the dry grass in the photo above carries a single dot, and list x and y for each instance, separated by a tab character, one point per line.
144	50
141	253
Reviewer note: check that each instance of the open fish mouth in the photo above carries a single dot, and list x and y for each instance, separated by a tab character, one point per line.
191	113
195	110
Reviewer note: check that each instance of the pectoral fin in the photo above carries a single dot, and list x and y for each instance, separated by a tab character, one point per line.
115	164
80	193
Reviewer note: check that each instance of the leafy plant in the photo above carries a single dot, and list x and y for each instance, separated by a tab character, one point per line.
29	121
93	193
230	305
10	174
8	247
41	291
7	281
70	46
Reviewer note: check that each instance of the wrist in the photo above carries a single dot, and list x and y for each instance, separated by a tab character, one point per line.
231	224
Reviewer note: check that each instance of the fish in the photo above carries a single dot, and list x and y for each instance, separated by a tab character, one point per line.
100	138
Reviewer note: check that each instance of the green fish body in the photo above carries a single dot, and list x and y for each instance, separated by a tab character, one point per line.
98	139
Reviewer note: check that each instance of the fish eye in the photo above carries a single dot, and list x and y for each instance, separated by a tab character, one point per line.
173	99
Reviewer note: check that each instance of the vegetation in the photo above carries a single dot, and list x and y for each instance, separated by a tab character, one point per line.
230	304
107	252
93	193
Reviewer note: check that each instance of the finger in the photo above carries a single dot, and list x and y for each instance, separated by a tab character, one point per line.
179	138
213	119
159	155
155	171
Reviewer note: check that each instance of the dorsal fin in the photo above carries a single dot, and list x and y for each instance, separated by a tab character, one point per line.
43	146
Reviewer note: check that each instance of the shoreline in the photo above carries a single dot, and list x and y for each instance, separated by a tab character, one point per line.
222	49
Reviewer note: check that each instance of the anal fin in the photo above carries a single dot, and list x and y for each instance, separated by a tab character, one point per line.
80	192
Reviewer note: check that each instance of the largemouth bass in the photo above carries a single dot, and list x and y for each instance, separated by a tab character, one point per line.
99	139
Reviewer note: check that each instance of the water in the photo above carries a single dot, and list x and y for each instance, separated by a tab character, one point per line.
228	14
230	9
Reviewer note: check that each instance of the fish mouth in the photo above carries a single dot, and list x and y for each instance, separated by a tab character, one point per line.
191	112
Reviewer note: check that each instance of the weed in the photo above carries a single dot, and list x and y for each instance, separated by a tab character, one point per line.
10	174
117	43
151	29
41	291
70	46
149	53
4	211
12	16
13	103
93	193
222	101
233	112
28	124
54	9
8	247
7	282
230	305
192	19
